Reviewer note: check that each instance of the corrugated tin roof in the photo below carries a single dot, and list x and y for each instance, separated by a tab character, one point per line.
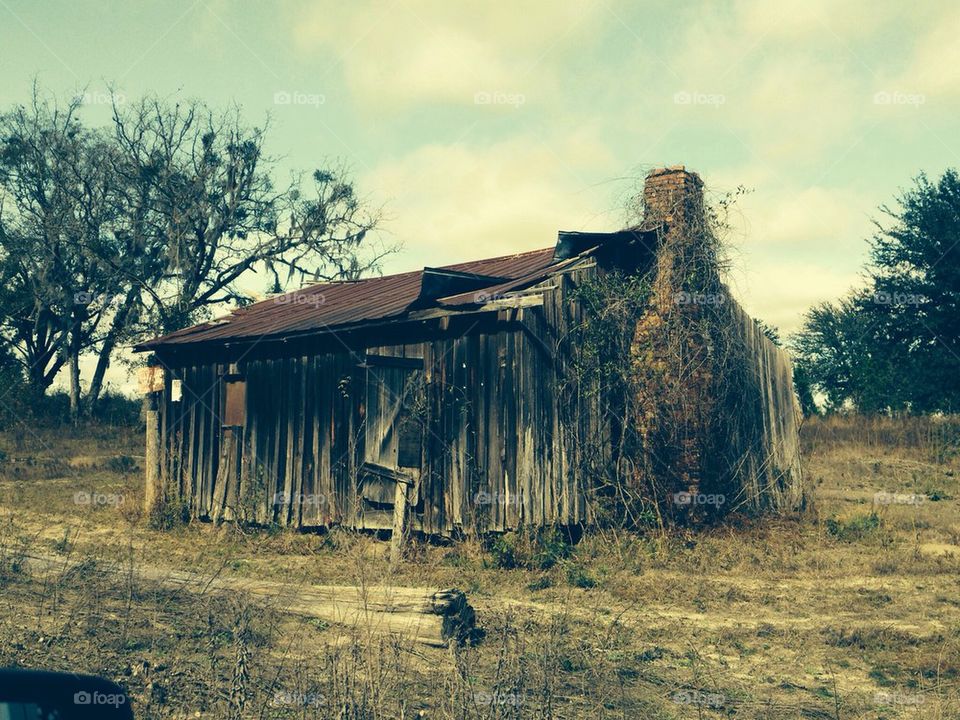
329	306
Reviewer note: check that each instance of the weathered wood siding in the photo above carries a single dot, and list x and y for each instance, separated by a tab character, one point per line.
499	450
301	435
766	436
510	436
190	434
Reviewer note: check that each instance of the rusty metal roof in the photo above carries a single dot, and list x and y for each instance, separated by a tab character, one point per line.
330	306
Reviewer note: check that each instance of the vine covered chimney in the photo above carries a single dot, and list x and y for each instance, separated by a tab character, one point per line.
675	409
673	205
672	195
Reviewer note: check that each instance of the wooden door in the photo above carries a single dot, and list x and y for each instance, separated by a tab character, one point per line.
393	428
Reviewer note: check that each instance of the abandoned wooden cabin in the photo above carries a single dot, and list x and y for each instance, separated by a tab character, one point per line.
440	393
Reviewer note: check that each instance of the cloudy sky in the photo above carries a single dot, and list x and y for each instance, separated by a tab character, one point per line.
486	127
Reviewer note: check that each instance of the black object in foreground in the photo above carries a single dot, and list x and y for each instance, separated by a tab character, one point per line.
42	695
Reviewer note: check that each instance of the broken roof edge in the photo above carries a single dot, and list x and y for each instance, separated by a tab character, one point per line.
576	242
486	294
438	283
409	313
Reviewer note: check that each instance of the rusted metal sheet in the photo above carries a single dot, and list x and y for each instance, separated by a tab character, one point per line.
235	406
150	379
334	305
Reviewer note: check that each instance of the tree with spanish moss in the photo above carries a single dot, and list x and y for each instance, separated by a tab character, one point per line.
173	211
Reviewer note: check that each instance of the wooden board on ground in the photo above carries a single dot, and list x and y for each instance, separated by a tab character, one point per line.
438	618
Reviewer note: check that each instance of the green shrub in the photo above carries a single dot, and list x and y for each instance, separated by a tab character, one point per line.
63	545
580	578
168	514
935	494
121	464
25	406
13	557
857	527
530	548
114	408
541	583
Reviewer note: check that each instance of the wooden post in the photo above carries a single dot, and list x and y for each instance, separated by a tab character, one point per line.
398	536
225	490
153	490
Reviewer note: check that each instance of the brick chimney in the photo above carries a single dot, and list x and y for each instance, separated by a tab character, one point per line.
669	340
672	195
673	206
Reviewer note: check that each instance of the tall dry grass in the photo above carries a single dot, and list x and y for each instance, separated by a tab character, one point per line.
938	437
794	617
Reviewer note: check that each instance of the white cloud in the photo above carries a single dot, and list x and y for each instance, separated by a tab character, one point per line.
934	68
814	218
814	19
780	292
780	101
453	203
414	51
796	109
792	248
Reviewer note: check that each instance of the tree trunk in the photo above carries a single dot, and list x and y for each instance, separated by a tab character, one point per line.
42	362
96	383
74	384
40	377
106	351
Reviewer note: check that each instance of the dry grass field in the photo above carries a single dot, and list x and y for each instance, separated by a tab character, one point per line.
850	611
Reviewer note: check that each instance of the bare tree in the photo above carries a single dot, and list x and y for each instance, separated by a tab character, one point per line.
114	234
55	203
207	212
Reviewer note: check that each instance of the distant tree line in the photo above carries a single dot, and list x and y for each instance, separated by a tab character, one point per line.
112	234
893	346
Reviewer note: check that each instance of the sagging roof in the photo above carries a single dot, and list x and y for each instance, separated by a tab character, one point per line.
333	306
